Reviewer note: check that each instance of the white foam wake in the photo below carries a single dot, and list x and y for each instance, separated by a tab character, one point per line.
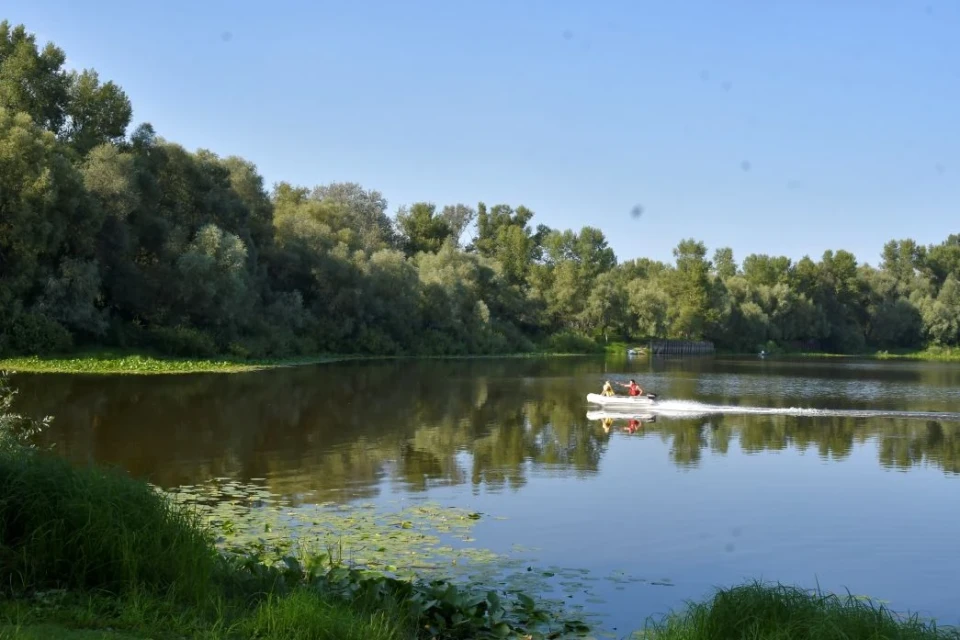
691	408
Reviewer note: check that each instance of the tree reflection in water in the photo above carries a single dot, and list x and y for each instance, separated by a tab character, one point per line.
341	430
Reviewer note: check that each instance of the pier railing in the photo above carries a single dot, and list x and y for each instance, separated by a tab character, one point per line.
681	347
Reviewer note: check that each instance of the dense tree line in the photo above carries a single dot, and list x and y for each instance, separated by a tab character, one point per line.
113	236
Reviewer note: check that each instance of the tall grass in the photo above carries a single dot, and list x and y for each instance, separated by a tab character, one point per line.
91	528
122	555
762	612
304	615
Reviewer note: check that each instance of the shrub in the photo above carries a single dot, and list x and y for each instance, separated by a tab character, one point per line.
569	342
36	334
182	341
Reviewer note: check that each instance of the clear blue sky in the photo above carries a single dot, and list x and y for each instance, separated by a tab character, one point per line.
772	127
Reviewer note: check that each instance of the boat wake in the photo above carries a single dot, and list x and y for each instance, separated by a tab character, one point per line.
692	409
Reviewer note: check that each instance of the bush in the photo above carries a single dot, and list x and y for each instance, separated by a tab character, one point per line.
569	342
36	334
182	341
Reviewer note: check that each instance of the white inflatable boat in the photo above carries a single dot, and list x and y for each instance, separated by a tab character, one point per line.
621	415
621	402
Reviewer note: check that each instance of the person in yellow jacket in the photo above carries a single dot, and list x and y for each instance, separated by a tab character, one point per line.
607	389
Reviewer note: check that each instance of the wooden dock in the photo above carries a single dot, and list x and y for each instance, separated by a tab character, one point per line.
681	347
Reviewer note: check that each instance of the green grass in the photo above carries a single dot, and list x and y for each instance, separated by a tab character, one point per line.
57	632
295	616
95	529
942	354
763	612
92	549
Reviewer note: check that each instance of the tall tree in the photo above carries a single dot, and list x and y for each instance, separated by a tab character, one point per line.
421	229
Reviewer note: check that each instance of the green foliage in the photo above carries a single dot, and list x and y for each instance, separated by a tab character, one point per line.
31	332
762	612
16	431
182	341
568	342
129	241
422	230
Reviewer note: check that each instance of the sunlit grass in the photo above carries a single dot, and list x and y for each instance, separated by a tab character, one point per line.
945	354
300	615
111	363
764	612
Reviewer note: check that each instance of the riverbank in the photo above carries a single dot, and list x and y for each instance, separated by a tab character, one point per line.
145	566
929	354
89	549
144	364
112	363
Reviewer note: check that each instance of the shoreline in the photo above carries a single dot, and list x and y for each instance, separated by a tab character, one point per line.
921	355
143	363
111	363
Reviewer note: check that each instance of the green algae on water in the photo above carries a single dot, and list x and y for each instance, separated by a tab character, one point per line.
422	541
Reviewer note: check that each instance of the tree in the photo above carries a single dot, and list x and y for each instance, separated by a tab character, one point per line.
761	269
689	286
365	211
135	241
41	196
32	81
458	217
421	229
649	306
504	235
96	113
723	263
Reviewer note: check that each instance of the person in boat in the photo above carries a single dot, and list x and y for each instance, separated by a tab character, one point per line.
607	389
633	389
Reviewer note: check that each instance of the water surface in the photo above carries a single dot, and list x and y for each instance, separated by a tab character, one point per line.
837	473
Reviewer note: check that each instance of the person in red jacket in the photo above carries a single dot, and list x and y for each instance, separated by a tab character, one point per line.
633	388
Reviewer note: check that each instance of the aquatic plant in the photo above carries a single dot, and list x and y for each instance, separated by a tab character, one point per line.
414	559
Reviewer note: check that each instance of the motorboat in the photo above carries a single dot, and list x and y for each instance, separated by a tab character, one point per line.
622	402
621	415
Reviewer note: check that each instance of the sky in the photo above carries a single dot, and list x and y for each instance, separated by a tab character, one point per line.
776	127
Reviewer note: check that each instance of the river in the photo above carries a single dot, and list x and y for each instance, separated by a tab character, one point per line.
840	473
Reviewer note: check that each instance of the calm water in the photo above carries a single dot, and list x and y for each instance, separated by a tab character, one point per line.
845	474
